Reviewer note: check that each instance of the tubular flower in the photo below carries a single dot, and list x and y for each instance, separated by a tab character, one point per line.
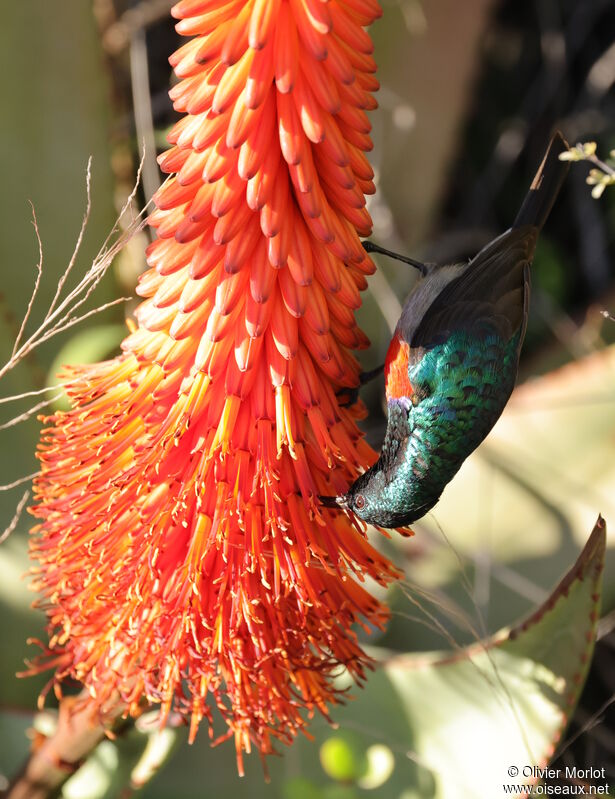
182	554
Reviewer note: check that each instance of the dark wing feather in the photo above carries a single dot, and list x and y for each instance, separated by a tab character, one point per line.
490	294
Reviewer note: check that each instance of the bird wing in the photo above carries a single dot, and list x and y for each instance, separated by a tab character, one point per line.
490	295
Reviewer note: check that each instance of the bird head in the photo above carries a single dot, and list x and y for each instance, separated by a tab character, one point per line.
364	497
376	500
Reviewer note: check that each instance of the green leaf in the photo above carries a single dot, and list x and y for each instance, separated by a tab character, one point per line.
457	723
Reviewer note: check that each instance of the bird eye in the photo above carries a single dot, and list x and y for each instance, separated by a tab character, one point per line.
359	501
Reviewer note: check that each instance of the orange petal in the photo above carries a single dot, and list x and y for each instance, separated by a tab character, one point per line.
337	62
272	214
360	61
303	173
293	294
166	257
300	254
327	270
310	112
212	40
333	145
242	123
262	275
232	83
209	133
236	41
230	291
286	50
227	194
252	152
198	14
316	309
188	324
221	159
200	207
317	345
368	9
284	330
354	118
359	163
276	362
322	84
292	140
198	100
196	291
262	22
192	167
319	15
260	186
314	41
258	316
260	77
278	247
173	160
284	420
170	290
240	248
247	347
206	256
353	34
229	225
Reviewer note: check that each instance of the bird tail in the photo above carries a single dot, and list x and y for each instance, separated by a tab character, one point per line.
545	186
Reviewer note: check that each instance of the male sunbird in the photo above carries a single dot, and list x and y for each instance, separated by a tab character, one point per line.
452	364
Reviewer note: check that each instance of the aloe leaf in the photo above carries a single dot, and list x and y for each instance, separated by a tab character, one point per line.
465	722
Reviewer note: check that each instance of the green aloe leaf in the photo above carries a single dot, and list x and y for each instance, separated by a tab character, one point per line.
469	723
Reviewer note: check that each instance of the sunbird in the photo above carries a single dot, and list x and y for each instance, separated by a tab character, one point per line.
452	363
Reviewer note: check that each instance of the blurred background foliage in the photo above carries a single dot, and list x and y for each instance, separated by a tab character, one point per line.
469	95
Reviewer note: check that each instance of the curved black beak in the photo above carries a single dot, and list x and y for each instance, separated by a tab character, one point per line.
340	501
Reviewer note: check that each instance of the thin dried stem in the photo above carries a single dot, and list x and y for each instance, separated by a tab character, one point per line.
37	283
15	520
20	481
61	313
36	393
84	224
22	417
75	320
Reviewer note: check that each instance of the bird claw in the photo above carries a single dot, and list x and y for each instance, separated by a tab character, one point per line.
352	394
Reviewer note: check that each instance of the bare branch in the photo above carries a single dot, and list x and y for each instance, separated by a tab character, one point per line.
26	394
15	520
61	314
78	732
20	481
84	224
76	319
37	283
31	411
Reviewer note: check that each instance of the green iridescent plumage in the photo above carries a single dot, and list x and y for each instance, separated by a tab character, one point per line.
464	385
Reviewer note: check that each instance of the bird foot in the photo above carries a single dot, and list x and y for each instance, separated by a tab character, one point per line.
352	394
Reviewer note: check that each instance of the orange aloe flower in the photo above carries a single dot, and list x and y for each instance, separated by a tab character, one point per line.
182	555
